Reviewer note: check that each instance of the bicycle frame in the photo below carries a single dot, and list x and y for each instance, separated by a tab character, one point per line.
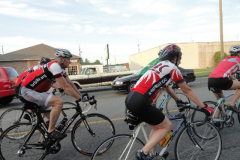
182	122
39	122
166	96
221	103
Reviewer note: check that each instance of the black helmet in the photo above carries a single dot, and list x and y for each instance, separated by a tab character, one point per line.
62	53
234	50
44	60
169	52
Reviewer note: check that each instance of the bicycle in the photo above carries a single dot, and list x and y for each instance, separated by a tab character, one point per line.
196	140
25	144
17	115
226	116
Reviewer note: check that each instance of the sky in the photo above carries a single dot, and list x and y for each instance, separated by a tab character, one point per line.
127	26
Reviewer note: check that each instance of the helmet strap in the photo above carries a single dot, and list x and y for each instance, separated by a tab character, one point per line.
62	63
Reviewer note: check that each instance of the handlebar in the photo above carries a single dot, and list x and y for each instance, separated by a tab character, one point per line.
189	106
90	100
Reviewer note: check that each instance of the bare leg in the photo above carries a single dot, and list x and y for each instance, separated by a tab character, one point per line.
236	85
159	132
217	96
57	104
47	115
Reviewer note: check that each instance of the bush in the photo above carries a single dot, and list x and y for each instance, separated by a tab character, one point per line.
217	57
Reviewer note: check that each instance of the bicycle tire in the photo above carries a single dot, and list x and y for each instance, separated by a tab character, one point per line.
199	116
238	114
119	143
11	117
171	106
83	141
9	148
185	149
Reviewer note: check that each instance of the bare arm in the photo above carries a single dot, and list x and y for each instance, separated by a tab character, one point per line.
190	94
171	92
68	88
72	85
159	93
56	85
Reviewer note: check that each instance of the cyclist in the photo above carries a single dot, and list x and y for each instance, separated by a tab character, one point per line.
43	60
221	78
35	84
139	100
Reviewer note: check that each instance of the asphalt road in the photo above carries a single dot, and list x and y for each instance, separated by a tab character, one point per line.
111	104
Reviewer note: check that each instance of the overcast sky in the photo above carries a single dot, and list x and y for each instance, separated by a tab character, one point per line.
120	23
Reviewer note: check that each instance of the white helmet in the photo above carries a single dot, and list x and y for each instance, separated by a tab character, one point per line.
62	53
234	50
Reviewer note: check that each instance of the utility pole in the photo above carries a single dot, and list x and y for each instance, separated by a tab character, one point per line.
2	50
221	28
80	52
138	46
115	59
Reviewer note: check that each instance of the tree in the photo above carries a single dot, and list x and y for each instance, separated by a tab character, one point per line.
86	61
97	62
217	57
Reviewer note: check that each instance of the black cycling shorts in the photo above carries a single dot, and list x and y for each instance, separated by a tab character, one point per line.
219	83
141	107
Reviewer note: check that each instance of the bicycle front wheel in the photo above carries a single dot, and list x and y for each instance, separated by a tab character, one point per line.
120	148
191	146
171	106
13	116
12	149
83	140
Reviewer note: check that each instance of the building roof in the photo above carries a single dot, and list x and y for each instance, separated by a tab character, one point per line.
31	53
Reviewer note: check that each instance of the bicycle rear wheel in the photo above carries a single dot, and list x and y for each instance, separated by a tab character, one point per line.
12	116
172	109
11	149
85	142
186	149
120	146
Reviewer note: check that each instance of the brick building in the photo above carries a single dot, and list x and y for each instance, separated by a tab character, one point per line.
25	58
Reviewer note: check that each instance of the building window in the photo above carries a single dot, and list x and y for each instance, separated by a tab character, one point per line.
72	70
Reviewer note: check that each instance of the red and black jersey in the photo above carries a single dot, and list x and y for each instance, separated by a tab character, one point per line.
159	75
43	77
23	75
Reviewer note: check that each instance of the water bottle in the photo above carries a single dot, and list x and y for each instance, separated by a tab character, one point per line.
62	124
165	140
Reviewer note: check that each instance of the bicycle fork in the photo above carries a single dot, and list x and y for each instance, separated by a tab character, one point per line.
192	138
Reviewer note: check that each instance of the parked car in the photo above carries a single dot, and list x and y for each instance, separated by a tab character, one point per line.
8	77
127	82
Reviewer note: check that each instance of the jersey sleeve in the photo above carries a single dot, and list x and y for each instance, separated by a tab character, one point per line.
176	75
56	70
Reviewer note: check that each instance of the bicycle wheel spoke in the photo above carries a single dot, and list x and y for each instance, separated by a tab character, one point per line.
206	143
101	128
12	149
119	149
11	117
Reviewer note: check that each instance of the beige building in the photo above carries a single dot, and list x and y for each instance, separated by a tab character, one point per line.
195	55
